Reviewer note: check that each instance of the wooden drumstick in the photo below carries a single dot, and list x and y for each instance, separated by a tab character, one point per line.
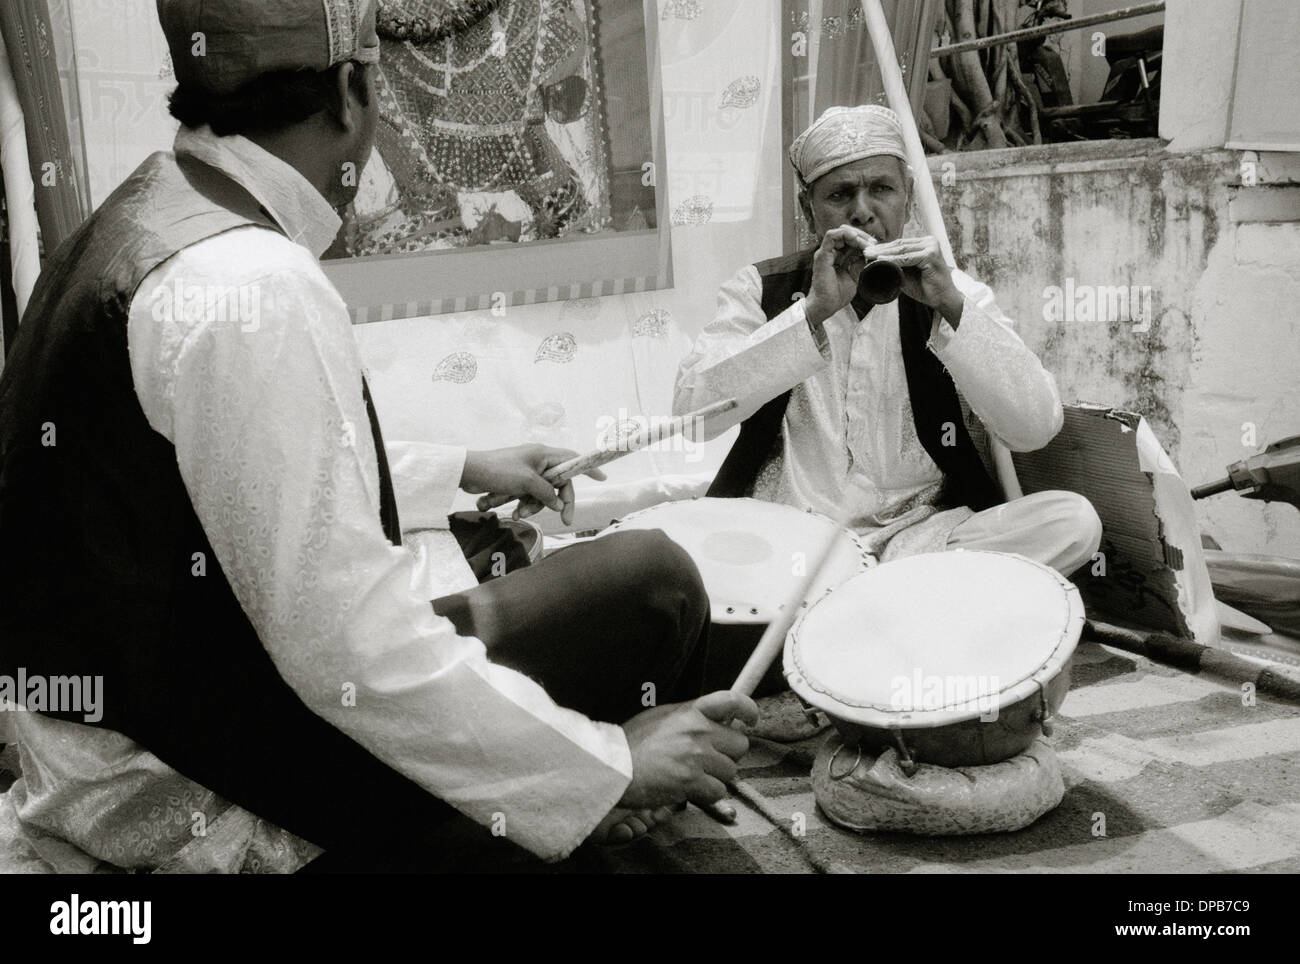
773	638
581	464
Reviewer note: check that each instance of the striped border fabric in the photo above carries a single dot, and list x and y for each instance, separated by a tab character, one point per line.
445	306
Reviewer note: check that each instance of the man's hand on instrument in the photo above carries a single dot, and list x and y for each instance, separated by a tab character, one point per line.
686	751
516	473
836	266
927	278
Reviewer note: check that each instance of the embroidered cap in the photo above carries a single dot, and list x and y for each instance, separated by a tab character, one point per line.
221	45
845	134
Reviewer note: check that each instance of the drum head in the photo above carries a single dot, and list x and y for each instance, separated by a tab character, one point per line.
752	554
934	639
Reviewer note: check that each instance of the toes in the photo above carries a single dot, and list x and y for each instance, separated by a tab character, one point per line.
620	833
622	827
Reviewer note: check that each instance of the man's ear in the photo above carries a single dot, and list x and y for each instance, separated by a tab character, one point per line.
805	205
910	210
343	94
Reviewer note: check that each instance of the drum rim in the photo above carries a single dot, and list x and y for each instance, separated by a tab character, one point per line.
872	715
717	610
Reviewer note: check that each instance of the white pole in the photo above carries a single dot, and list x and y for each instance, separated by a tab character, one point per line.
926	199
896	93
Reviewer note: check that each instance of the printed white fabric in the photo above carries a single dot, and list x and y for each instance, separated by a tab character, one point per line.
273	443
849	421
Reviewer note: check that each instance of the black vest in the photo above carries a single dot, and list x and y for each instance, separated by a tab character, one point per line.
935	404
98	536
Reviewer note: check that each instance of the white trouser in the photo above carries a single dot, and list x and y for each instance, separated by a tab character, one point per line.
1059	529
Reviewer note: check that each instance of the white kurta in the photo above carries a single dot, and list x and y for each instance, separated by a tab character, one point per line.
849	427
274	446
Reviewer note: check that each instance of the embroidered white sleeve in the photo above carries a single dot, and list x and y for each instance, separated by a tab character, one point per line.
1005	384
273	443
743	356
426	478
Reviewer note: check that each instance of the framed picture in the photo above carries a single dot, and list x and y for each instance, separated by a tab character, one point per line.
519	159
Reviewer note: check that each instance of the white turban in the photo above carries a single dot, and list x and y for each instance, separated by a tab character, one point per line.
845	134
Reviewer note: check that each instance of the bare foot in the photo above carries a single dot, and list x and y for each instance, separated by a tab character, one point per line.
623	826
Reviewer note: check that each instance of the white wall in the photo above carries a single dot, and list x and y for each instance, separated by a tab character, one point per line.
1200	58
1216	371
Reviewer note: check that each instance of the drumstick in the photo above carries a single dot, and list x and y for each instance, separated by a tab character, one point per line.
580	464
773	638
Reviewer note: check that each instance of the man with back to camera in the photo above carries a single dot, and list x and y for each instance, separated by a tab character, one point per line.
213	529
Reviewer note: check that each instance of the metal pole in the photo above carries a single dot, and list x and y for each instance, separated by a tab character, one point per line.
1047	29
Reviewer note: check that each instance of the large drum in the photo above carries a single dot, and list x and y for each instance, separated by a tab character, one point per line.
953	658
752	554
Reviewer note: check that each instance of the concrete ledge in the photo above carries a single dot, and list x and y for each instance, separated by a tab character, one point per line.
1071	158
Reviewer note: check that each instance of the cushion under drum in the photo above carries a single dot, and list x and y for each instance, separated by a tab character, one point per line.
872	793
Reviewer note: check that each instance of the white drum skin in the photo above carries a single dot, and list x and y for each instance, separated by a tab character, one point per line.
751	554
954	658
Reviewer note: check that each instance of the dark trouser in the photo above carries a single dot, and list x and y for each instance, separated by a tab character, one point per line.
607	628
486	543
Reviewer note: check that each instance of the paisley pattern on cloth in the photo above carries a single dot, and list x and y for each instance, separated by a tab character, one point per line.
559	347
695	210
546	418
741	92
652	324
682	9
144	817
459	367
615	437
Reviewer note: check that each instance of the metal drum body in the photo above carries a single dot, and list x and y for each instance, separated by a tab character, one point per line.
751	554
952	658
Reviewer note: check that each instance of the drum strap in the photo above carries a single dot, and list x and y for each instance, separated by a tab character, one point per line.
933	395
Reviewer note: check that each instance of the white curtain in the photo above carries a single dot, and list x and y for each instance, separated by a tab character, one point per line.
845	65
20	195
